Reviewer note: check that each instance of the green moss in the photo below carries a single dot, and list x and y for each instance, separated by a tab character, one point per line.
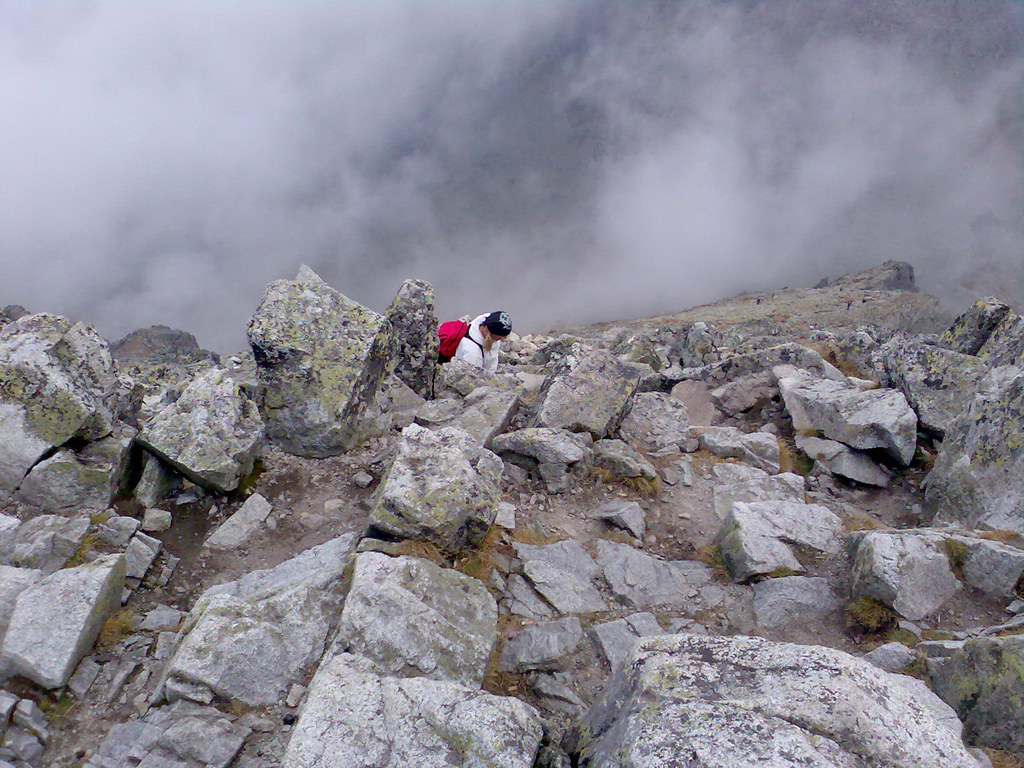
956	553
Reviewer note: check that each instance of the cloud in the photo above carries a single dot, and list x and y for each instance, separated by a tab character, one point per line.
566	161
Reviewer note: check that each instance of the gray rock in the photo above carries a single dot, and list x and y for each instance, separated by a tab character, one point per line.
399	403
644	581
56	377
744	701
140	554
639	350
437	412
442	487
1006	344
983	683
542	646
45	542
629	516
211	434
85	675
747	393
156	520
81	481
621	460
879	418
892	657
655	422
740	482
994	568
413	618
354	718
13	581
907	571
162	345
555	691
505	516
161	617
939	649
183	735
157	482
765	360
754	538
563	573
411	315
969	332
938	383
488	413
244	524
793	600
362	479
29	716
25	747
758	449
696	345
978	476
588	391
251	639
118	530
321	358
617	638
520	599
840	459
546	445
56	621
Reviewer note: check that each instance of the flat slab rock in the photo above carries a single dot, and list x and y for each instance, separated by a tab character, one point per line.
644	581
743	702
564	574
354	718
412	618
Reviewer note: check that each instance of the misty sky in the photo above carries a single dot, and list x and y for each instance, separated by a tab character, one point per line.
161	162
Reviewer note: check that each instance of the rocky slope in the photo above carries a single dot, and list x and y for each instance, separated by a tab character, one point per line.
781	530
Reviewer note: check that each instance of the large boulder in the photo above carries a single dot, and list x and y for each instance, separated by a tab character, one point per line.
55	380
250	639
938	383
355	718
691	700
984	683
442	487
1005	346
411	315
908	571
757	538
655	422
879	418
412	618
84	480
969	332
56	621
45	542
588	391
978	476
160	345
321	358
211	434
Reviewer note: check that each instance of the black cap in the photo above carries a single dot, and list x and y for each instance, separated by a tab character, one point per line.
498	323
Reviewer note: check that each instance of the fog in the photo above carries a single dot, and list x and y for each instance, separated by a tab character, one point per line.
565	161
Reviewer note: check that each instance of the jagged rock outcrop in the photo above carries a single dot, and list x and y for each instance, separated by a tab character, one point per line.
879	418
411	315
412	618
441	487
55	379
56	621
682	700
984	683
589	391
356	718
938	383
160	345
211	434
969	332
321	358
1005	345
978	476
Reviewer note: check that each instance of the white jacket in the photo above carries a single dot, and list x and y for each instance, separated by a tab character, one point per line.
471	348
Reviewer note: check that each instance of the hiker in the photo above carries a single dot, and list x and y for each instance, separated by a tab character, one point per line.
479	340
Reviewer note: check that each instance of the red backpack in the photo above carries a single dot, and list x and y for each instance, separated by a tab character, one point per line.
450	334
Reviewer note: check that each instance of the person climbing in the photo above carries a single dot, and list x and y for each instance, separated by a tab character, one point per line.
479	340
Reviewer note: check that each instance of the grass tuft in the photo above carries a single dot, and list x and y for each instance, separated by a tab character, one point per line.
524	534
1001	759
78	557
1013	538
116	628
956	553
858	522
711	555
871	614
422	549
